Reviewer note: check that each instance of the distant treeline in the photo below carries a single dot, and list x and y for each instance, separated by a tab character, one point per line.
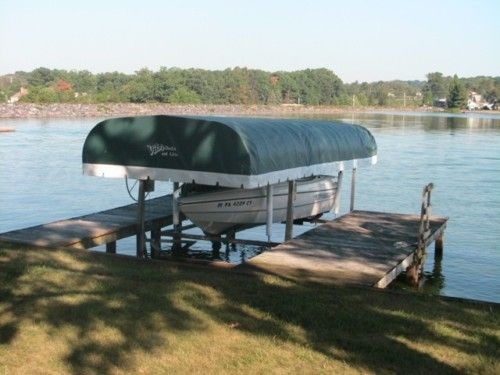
236	86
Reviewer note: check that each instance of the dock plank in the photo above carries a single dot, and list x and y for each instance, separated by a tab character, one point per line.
362	247
93	229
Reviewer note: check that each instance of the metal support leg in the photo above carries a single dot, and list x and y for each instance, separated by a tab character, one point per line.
141	243
336	199
289	210
353	187
175	206
269	206
176	219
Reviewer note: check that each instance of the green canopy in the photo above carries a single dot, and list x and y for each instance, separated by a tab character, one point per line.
228	151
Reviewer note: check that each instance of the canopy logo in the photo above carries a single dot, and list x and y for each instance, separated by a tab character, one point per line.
164	150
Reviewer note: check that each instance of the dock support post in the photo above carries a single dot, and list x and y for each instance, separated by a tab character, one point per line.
176	218
230	237
413	274
289	210
111	247
155	240
145	186
353	184
140	240
336	199
438	247
269	206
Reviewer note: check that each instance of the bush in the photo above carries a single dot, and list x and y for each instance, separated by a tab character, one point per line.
184	96
37	94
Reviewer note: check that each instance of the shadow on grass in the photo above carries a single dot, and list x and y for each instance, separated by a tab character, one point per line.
107	308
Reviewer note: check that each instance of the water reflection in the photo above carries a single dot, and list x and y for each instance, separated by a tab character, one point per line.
207	250
428	122
434	281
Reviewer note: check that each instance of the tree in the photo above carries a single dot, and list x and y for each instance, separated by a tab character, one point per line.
456	95
237	86
39	94
141	88
289	88
184	96
41	77
437	85
83	81
381	94
427	97
62	86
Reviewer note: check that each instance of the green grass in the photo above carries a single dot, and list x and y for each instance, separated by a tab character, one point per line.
78	312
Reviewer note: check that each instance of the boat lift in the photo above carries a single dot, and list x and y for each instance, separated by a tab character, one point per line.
232	152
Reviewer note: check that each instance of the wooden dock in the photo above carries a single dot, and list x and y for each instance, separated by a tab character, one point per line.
362	247
105	227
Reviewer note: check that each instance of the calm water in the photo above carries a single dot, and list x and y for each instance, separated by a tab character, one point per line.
41	181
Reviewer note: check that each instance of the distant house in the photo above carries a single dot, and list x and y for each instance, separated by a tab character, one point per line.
441	103
18	95
78	94
471	105
476	101
475	97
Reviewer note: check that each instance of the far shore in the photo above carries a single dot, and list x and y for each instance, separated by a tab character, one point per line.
65	110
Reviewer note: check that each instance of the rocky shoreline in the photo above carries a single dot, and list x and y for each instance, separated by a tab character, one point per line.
64	110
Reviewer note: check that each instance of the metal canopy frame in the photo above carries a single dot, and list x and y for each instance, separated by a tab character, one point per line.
178	237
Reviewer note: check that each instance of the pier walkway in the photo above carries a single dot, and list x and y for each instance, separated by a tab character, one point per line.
362	247
95	229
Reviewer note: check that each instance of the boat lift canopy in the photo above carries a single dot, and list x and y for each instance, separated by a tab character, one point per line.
226	151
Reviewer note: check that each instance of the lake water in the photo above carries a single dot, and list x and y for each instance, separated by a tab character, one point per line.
41	181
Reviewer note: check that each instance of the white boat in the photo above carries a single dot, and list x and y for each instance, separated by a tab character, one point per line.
223	210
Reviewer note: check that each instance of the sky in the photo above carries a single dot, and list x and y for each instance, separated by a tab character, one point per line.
358	40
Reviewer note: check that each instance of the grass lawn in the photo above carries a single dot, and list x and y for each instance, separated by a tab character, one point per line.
79	312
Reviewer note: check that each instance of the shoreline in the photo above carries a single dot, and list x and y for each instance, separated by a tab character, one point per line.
67	110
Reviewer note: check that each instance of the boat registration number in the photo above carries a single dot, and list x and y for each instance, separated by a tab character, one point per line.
241	203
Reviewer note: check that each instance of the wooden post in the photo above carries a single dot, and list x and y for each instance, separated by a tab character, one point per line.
216	246
289	211
336	199
140	240
155	240
438	247
111	247
269	207
230	236
413	274
353	187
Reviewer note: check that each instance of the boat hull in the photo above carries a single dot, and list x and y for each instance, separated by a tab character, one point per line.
226	210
